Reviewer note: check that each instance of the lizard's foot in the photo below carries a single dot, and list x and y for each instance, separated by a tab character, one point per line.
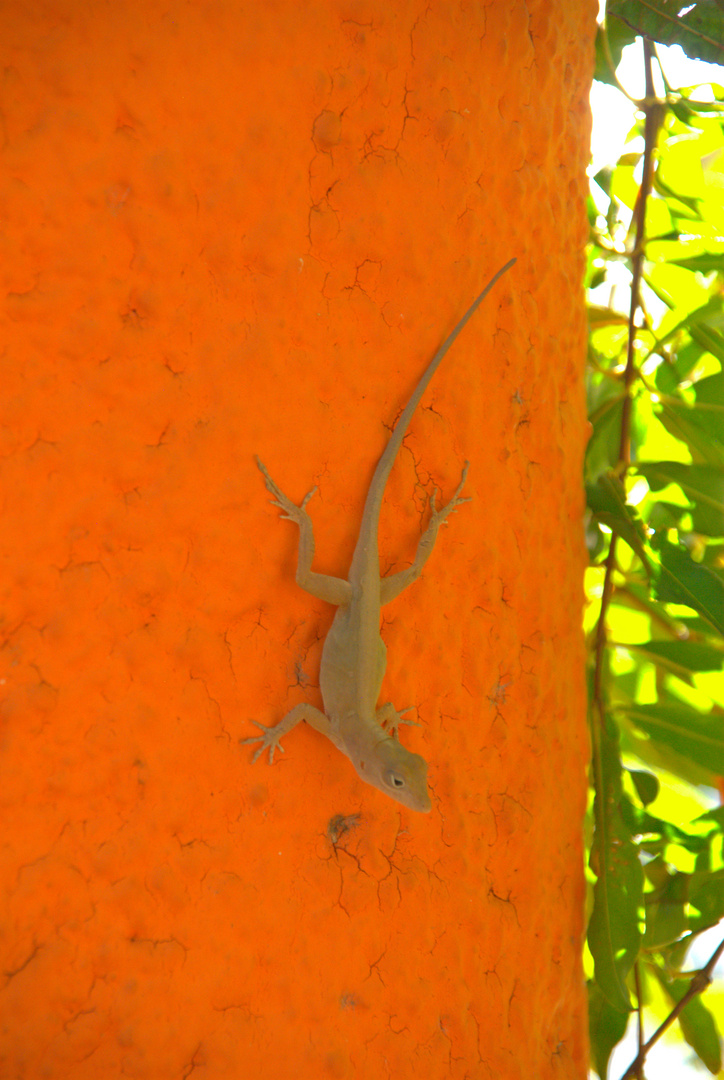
438	516
389	718
269	740
290	510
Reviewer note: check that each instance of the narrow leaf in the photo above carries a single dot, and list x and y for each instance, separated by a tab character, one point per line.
607	500
694	735
646	784
682	581
705	262
700	1031
613	933
710	391
665	912
707	897
683	422
703	485
607	1026
696	27
683	658
604	316
697	1024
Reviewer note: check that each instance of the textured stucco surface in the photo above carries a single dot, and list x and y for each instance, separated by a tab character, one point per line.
238	229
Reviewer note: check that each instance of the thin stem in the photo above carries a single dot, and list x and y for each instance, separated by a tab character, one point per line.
651	127
653	115
640	1019
698	984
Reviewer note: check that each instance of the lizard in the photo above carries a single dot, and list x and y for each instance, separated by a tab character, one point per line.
354	656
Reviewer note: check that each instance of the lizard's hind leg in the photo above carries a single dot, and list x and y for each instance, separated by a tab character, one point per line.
392	586
270	736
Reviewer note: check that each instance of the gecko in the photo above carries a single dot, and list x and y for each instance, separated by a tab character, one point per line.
354	656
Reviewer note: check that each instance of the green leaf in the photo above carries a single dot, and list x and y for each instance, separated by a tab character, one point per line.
714	555
665	911
633	816
596	539
694	735
610	43
713	820
607	501
710	392
678	415
668	834
700	1031
636	596
682	658
698	30
682	581
705	263
702	484
672	372
603	446
614	935
683	422
707	897
697	1024
700	320
607	1027
658	756
647	785
666	515
694	625
710	339
599	317
690	204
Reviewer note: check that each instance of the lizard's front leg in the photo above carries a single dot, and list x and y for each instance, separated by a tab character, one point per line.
390	719
270	739
392	586
333	590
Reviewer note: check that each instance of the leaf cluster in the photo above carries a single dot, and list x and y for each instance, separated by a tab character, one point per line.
697	26
655	587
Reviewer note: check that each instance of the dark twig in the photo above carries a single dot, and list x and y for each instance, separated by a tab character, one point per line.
698	984
640	1021
653	118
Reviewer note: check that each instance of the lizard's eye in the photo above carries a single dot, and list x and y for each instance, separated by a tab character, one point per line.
394	780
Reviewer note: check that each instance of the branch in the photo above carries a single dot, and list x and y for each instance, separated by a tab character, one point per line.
698	985
653	119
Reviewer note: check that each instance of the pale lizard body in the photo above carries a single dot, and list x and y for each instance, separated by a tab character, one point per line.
354	655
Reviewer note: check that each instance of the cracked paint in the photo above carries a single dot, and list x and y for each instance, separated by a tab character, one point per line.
245	229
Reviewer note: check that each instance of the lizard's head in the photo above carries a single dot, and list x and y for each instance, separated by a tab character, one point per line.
397	772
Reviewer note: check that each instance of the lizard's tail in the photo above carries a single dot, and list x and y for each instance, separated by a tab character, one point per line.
376	491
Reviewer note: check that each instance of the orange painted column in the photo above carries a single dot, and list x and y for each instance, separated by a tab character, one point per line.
238	229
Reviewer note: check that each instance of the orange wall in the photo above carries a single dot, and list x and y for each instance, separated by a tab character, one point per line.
238	229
